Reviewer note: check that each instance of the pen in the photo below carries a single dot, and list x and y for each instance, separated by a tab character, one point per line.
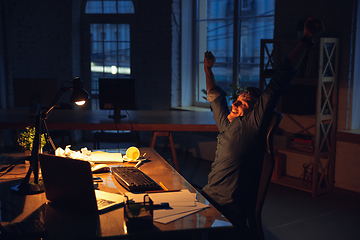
138	164
163	186
161	191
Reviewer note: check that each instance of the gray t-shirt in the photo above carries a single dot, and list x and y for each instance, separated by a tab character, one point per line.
235	173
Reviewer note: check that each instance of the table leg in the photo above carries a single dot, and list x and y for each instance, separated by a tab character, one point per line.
169	135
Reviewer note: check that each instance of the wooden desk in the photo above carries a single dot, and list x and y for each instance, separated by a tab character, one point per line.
161	123
155	121
70	225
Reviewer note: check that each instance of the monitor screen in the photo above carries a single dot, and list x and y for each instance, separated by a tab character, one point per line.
117	94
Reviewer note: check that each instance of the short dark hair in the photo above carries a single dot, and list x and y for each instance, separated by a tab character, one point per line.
254	91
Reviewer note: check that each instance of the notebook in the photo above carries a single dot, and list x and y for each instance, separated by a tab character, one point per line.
69	182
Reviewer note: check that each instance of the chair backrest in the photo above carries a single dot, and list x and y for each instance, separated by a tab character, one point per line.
266	173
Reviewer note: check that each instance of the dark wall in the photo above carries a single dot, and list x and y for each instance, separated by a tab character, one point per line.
43	41
38	40
153	54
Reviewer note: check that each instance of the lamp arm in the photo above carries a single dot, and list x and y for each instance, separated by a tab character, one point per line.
62	90
48	137
34	161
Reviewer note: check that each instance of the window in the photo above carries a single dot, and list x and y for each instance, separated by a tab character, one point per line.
108	25
355	78
110	52
109	6
232	30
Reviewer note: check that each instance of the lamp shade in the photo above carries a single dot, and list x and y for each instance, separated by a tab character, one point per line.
79	93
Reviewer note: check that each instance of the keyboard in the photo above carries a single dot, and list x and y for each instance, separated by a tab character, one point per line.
103	202
134	180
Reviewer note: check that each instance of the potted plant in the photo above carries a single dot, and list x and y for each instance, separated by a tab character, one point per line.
26	139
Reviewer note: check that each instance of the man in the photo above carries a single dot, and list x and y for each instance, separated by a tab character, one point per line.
234	178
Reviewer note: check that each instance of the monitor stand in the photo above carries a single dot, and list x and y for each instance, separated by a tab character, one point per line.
117	114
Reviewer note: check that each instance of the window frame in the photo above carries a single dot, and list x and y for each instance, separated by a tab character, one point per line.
237	38
103	18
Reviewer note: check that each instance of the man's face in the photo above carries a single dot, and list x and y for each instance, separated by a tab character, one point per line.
242	106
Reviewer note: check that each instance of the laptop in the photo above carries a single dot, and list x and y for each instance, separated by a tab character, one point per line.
69	182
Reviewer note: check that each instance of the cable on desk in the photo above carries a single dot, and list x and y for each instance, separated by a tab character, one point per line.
132	128
117	129
10	167
117	132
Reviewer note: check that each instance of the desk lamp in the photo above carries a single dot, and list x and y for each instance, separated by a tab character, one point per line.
79	96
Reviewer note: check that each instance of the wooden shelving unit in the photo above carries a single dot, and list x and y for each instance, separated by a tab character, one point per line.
319	74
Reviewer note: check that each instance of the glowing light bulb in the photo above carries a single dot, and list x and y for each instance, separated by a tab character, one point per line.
80	103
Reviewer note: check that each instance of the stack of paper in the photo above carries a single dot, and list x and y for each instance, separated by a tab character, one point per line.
181	204
105	157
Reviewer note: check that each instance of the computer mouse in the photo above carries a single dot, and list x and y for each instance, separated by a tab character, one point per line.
100	168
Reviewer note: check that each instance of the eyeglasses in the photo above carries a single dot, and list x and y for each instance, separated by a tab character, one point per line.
247	94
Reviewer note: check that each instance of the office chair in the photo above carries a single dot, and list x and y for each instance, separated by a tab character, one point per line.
255	222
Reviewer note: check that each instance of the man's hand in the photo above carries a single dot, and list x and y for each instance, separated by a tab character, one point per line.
209	60
313	27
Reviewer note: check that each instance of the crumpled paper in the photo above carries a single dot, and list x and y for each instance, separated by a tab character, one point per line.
83	154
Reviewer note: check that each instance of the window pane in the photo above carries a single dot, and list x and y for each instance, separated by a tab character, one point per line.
220	39
220	42
215	33
123	49
259	7
97	60
109	6
94	81
123	32
110	56
93	6
252	31
219	9
110	52
97	32
124	58
110	31
125	7
216	36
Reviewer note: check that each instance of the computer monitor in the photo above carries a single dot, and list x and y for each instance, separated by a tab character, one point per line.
117	94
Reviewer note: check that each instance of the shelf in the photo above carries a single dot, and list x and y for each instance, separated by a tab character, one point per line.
294	151
310	103
293	182
323	117
321	155
298	184
311	81
300	115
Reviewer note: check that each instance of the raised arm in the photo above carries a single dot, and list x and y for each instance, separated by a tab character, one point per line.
313	27
209	61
